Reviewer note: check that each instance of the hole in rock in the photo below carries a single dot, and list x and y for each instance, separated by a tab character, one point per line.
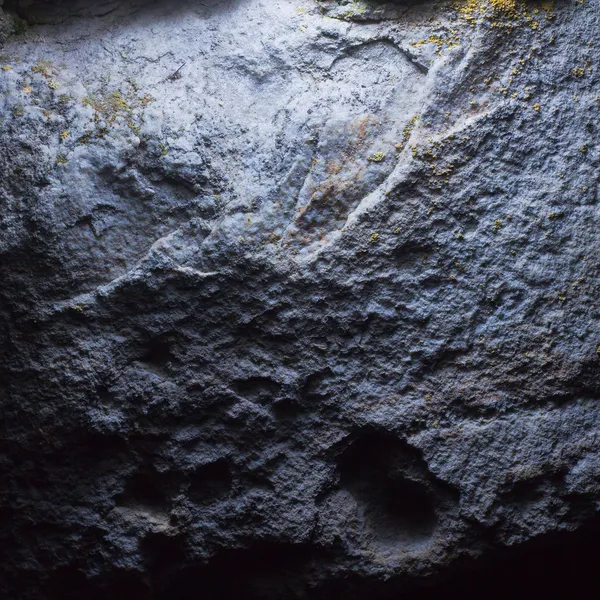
148	489
210	481
157	354
90	450
287	409
388	478
162	552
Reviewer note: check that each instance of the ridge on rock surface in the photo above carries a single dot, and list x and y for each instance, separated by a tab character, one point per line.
299	298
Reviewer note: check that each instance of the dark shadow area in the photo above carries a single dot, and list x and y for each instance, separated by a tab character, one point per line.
268	570
163	553
44	12
147	488
209	482
560	565
157	354
390	481
553	567
70	583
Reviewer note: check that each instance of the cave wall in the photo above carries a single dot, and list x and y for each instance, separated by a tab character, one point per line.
299	299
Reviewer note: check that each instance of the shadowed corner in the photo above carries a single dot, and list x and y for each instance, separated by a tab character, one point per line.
46	12
559	565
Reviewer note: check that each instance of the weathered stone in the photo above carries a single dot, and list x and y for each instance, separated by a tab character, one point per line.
298	299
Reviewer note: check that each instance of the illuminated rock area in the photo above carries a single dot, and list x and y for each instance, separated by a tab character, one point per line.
299	299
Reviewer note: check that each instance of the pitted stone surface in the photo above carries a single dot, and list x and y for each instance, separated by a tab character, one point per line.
308	288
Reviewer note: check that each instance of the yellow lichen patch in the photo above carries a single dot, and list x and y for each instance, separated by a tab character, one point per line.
505	6
500	13
112	107
44	68
6	67
64	135
548	7
407	131
377	157
439	42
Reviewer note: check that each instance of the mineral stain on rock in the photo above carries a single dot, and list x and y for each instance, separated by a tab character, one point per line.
299	299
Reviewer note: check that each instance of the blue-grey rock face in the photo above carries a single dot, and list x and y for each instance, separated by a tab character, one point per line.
293	292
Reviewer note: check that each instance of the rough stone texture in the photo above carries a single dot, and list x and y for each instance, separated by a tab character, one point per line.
298	299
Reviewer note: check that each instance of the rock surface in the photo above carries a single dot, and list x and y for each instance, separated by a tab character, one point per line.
298	298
